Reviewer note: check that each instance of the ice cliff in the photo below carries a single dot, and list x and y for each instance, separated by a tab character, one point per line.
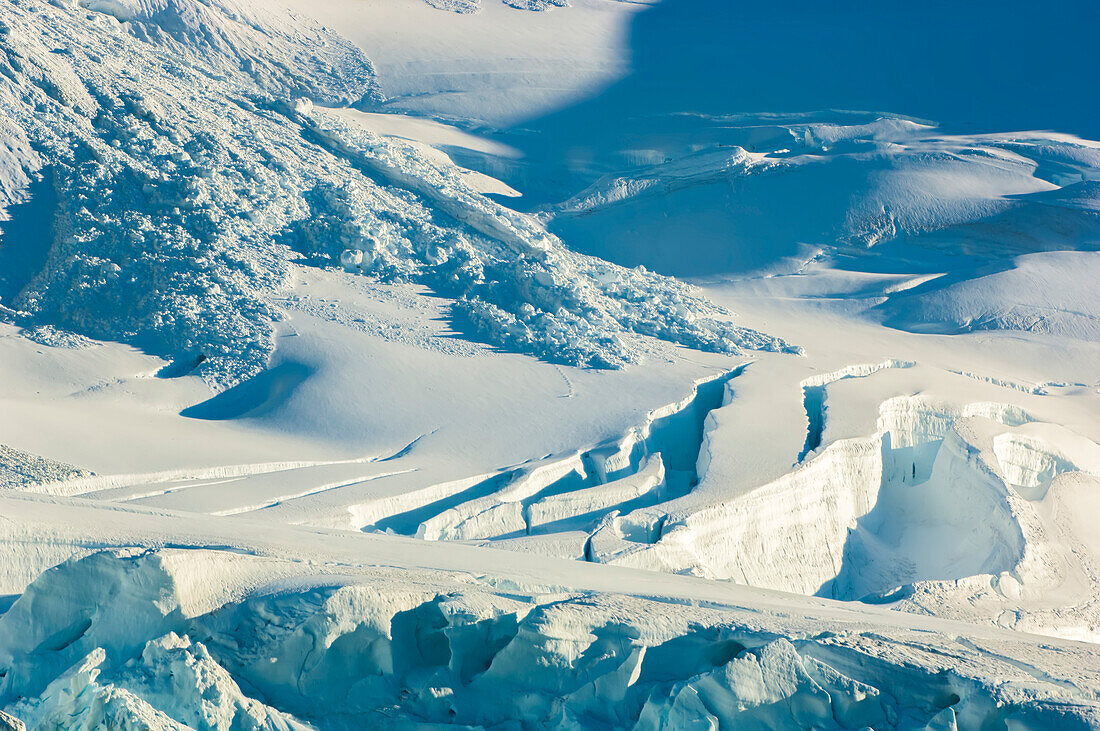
146	643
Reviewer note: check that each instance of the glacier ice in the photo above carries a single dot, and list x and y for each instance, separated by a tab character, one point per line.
182	175
393	651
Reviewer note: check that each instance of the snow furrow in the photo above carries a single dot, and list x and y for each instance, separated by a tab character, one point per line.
654	462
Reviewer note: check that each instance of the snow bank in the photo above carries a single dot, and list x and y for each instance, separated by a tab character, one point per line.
1050	293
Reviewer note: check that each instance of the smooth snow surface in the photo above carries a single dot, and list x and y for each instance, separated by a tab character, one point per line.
486	61
517	364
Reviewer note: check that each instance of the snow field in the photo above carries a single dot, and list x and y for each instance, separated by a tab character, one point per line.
280	368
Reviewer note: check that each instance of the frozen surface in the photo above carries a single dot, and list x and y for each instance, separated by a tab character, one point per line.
243	634
210	179
496	65
346	380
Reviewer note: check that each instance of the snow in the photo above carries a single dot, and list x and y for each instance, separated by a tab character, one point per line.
435	138
1051	293
361	643
856	186
492	66
199	235
406	364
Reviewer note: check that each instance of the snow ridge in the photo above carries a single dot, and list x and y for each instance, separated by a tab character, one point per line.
187	178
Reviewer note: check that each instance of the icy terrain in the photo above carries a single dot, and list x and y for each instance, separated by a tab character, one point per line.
514	364
188	168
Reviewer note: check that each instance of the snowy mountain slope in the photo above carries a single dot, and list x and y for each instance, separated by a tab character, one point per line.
886	194
495	66
215	184
267	341
855	178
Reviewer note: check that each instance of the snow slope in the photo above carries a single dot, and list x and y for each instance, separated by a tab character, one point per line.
344	380
210	178
494	66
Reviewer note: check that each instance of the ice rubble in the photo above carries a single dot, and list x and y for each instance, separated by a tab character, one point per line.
187	176
143	645
19	469
282	55
456	6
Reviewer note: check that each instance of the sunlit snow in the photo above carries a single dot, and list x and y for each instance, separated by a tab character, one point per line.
532	364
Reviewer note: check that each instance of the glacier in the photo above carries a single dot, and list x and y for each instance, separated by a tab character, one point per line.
144	639
540	364
204	197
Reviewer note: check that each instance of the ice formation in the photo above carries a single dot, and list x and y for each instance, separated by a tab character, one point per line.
274	453
146	645
186	177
